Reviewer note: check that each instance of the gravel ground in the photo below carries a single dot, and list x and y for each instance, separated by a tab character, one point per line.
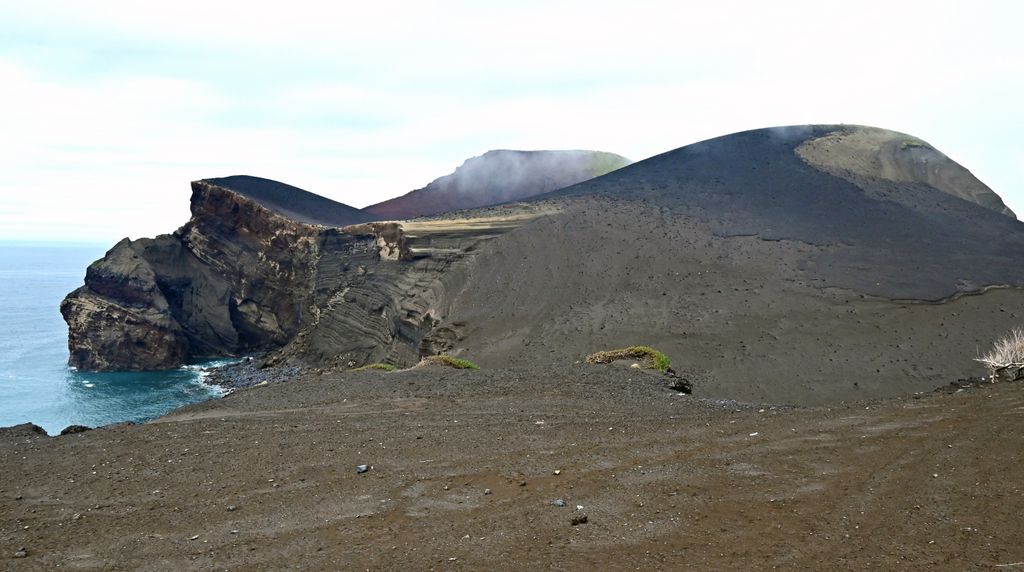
465	466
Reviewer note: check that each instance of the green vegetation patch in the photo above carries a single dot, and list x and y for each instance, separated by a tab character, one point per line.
604	163
377	367
652	358
449	361
914	143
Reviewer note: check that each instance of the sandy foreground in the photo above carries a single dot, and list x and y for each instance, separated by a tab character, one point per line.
468	469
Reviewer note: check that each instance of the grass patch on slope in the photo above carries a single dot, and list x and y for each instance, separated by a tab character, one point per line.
603	163
448	361
652	358
376	367
914	143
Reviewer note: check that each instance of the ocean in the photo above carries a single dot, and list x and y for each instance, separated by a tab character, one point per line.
36	383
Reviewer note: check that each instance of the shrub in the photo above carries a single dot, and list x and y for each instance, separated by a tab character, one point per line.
449	361
651	357
376	366
1006	358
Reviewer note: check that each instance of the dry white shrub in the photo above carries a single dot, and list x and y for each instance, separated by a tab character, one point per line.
1008	351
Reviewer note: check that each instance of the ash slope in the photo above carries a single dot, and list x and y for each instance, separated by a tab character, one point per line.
766	278
497	177
899	237
292	202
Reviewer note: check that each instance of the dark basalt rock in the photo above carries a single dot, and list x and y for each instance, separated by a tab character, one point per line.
121	319
72	429
679	383
234	279
21	432
244	276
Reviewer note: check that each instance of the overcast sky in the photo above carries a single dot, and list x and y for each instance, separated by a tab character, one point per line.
110	108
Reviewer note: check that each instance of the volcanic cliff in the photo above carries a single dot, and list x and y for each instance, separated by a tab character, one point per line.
260	263
236	278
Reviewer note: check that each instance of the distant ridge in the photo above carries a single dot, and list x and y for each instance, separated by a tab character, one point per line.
497	177
292	202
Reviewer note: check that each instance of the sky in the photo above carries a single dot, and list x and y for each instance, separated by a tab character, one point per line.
110	108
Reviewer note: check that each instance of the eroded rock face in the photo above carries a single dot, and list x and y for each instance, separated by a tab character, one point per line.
121	319
241	282
234	279
382	290
241	277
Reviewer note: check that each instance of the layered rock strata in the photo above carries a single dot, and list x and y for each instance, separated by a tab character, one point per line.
241	277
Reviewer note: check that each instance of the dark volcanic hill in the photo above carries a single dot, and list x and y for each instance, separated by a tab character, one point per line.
497	177
892	216
775	274
801	264
292	202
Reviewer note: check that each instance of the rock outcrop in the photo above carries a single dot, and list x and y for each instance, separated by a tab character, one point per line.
21	432
121	320
382	290
234	279
292	202
251	271
498	177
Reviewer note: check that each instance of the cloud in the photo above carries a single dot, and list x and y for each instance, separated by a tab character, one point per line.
111	108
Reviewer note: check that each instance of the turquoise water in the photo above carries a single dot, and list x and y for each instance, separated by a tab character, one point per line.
36	384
